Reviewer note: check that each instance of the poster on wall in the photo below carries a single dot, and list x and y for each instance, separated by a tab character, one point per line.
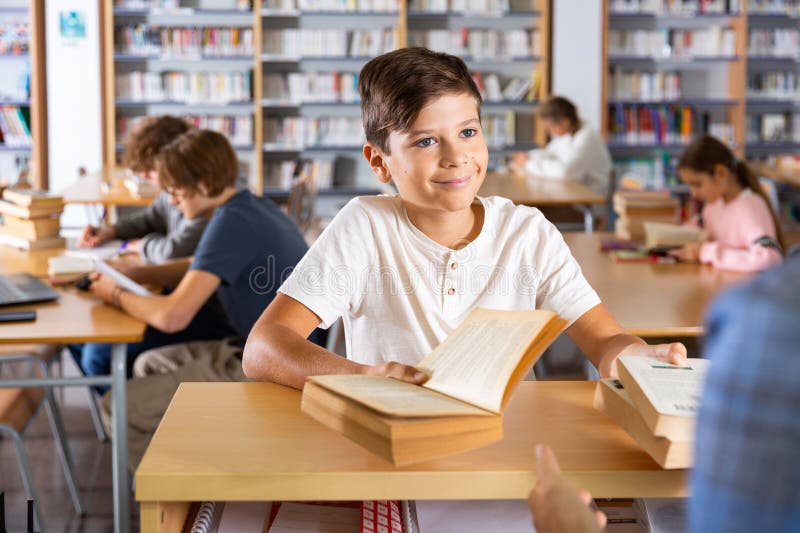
72	25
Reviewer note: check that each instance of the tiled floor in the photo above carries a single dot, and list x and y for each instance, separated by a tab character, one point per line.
92	465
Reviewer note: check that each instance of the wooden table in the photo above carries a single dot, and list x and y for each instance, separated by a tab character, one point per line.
537	192
78	318
89	190
249	441
649	299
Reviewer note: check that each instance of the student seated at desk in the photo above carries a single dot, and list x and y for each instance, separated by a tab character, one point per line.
159	232
575	150
248	244
746	474
744	233
404	271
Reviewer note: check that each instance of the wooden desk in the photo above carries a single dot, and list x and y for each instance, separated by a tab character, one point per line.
77	318
249	441
648	299
524	190
88	190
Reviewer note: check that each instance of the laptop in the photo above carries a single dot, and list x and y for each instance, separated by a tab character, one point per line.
24	289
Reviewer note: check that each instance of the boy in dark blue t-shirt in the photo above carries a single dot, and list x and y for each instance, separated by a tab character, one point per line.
247	249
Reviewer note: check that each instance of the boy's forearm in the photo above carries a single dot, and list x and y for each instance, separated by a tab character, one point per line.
277	354
168	274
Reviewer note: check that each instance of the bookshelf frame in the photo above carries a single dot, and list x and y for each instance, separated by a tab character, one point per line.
38	161
542	21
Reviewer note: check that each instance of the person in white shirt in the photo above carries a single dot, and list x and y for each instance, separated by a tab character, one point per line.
575	151
404	270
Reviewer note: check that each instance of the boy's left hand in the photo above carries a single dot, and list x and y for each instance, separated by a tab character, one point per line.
688	253
102	287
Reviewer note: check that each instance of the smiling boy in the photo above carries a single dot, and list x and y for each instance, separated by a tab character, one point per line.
403	271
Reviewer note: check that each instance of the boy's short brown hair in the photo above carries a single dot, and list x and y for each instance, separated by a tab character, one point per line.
198	158
395	86
559	108
142	145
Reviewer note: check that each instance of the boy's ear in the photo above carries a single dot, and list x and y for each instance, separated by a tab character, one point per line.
376	159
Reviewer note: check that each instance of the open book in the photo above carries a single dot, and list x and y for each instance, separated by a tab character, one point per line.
471	377
661	237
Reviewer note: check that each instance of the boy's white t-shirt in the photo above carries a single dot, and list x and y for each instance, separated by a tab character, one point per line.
400	293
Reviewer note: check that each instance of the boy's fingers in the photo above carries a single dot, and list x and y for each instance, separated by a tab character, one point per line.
674	352
547	468
585	495
601	519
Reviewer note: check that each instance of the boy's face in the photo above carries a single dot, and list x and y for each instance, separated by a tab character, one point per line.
440	163
191	204
152	177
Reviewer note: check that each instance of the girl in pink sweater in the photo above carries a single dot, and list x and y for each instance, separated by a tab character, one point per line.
743	232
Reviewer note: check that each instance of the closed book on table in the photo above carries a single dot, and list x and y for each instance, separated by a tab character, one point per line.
471	377
14	241
32	211
32	229
612	399
32	198
667	396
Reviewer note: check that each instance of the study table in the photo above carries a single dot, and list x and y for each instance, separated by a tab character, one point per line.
250	442
78	318
651	299
538	192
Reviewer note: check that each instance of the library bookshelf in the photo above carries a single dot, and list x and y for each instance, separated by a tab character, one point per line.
293	76
674	69
23	98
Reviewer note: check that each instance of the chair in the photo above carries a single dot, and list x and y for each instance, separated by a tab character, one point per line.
18	406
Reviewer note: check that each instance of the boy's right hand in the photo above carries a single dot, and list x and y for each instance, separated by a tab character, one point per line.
93	236
399	371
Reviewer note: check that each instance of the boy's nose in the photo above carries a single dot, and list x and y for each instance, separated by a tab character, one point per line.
453	156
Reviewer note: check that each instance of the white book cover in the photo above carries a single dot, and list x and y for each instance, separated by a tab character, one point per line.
672	390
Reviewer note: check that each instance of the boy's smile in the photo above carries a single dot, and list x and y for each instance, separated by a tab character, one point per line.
440	163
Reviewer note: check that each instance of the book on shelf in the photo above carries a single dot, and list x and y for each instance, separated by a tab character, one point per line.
14	131
472	374
32	229
612	399
661	236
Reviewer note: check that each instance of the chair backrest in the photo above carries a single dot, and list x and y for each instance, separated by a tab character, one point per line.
302	196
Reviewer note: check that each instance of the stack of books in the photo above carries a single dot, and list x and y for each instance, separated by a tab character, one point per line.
633	209
656	403
31	219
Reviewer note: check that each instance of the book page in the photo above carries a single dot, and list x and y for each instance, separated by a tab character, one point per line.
476	361
660	234
121	279
673	390
394	397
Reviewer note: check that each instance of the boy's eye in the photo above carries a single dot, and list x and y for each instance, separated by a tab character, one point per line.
427	141
469	132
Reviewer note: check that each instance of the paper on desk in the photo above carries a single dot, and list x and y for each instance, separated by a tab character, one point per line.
120	279
107	250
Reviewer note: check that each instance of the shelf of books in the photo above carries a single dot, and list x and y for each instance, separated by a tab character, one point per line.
773	78
279	77
23	137
674	69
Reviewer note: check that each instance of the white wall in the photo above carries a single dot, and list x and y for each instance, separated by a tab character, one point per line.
577	53
73	98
